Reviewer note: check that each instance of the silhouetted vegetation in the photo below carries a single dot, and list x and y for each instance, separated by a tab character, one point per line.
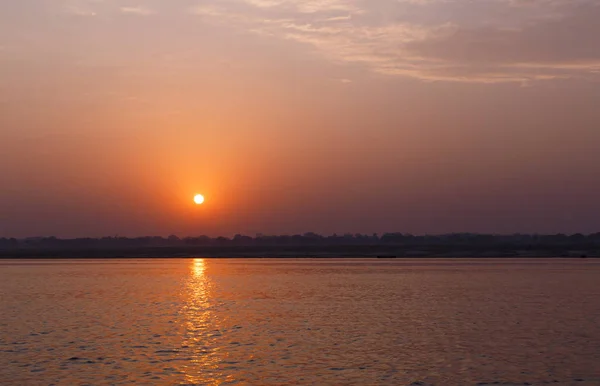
311	245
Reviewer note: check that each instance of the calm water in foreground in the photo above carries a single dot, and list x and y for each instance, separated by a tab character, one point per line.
346	321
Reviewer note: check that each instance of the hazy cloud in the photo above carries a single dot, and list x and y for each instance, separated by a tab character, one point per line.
81	7
142	11
104	7
493	41
453	40
569	42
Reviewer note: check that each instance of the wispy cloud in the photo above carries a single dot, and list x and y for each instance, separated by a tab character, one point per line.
308	6
451	40
142	11
532	40
80	8
104	7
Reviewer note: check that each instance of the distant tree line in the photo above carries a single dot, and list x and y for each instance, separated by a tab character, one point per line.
454	240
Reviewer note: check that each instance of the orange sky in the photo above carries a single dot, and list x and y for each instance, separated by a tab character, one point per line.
294	116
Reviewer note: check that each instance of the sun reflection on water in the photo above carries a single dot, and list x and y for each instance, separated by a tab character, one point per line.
202	328
198	268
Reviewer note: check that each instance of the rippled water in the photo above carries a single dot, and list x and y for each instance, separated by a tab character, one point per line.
368	322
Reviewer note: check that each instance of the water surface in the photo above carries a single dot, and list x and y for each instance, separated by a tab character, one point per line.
342	321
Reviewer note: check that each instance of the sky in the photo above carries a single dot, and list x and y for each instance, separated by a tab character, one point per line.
290	116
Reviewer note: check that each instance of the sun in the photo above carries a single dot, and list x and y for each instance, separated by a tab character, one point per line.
199	199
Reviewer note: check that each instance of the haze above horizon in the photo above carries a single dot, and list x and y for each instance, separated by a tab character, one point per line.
358	116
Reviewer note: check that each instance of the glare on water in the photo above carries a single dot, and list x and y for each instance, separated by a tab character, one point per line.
343	321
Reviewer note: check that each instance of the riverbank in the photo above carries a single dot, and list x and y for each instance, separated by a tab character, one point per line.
363	251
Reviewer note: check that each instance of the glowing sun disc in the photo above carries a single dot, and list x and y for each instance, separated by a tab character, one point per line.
199	199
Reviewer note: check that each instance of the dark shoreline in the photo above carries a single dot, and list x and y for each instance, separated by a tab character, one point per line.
353	251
